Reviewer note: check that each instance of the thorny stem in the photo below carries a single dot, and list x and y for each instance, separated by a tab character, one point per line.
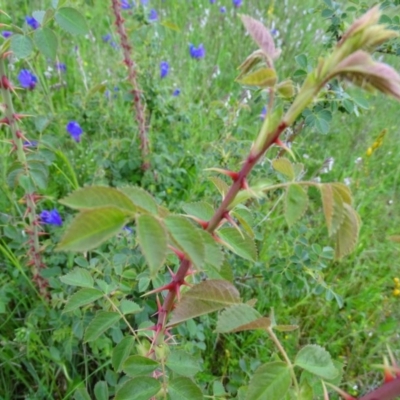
388	391
35	260
132	76
214	222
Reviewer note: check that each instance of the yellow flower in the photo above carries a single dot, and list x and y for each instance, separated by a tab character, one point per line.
396	292
370	151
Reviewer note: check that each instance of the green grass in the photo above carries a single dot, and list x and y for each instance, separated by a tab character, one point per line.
42	354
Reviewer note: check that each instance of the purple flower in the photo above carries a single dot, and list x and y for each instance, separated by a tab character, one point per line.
274	32
125	5
153	16
237	3
198	52
145	2
164	69
212	1
61	67
176	92
75	130
51	217
32	22
106	38
6	34
27	80
263	112
30	143
222	10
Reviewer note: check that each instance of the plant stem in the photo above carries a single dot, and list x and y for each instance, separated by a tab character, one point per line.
388	391
17	140
219	215
132	76
285	356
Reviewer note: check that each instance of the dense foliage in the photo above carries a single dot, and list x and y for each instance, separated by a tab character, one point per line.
205	259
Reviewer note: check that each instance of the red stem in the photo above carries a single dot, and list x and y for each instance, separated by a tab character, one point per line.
132	76
235	188
388	391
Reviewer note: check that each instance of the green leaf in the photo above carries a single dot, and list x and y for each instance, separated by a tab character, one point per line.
285	167
91	228
81	394
101	390
204	298
214	255
183	363
343	191
152	238
39	16
182	388
139	365
78	277
144	201
129	307
241	214
21	46
100	323
39	173
270	381
200	210
46	41
347	234
225	272
302	61
322	119
306	392
121	352
263	77
140	388
317	360
241	317
296	203
81	298
98	196
187	237
221	185
71	20
239	242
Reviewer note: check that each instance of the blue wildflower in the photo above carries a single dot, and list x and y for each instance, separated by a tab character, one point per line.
75	130
61	67
30	143
222	10
127	229
263	112
51	217
32	22
125	5
106	38
27	80
237	3
153	16
212	1
6	34
198	52
176	92
145	2
164	69
274	32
